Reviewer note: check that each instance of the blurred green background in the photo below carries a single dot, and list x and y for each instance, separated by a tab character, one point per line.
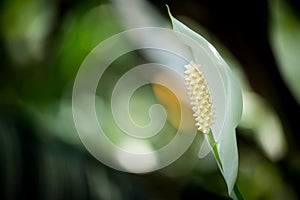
42	45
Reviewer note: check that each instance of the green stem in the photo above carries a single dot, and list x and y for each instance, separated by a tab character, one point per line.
213	144
237	192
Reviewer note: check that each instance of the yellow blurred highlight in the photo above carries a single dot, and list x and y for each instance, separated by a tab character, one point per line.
170	102
173	96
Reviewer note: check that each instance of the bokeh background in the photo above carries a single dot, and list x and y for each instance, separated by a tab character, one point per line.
42	45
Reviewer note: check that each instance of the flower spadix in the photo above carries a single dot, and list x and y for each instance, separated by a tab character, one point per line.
216	100
200	97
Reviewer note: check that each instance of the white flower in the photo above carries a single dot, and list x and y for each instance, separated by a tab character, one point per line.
221	105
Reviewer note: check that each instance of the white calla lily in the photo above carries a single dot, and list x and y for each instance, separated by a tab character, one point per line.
226	101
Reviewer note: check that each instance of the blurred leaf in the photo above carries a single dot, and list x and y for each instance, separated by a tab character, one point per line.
285	37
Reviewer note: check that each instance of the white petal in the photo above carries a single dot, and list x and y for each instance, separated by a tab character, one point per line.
226	96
